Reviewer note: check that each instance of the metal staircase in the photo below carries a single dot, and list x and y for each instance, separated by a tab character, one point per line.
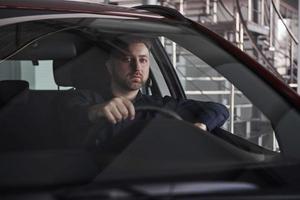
253	27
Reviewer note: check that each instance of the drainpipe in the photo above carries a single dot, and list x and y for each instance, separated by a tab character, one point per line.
174	53
271	30
174	56
207	8
215	9
249	10
291	60
181	7
262	13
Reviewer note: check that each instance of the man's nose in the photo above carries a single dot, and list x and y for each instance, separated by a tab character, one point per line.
136	65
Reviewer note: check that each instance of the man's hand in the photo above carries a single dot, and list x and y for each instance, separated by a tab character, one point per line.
201	126
115	110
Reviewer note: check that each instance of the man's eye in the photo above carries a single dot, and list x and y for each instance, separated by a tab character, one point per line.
143	60
126	59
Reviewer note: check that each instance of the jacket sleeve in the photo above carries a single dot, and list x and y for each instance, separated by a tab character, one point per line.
77	106
212	114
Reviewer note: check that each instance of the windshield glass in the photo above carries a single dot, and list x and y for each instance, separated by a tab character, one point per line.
144	100
204	83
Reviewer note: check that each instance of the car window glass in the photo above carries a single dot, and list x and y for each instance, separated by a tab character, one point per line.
201	82
162	85
39	75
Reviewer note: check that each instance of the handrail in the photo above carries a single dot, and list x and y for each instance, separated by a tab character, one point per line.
168	4
282	20
198	69
267	14
183	76
269	65
226	9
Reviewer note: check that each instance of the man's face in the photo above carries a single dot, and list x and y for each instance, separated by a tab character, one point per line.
130	71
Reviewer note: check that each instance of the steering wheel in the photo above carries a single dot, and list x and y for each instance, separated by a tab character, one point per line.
167	112
105	153
106	126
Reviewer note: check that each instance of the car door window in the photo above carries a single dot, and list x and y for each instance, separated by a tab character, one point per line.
201	82
39	75
158	76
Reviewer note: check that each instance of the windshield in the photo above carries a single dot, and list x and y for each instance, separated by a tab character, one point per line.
141	99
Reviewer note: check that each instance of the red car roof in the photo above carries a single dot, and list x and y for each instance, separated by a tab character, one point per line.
76	6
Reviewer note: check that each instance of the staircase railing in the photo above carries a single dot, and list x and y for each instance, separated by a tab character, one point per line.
253	42
282	20
221	3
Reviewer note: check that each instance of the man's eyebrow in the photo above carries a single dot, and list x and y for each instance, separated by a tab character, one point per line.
130	55
143	55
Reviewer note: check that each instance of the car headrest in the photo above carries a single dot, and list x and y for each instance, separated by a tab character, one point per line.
57	46
10	89
86	71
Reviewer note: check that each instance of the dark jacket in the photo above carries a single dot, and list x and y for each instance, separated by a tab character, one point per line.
212	114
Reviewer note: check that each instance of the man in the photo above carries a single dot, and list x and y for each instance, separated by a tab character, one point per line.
128	67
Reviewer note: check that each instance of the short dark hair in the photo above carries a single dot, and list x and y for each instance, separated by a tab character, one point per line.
120	45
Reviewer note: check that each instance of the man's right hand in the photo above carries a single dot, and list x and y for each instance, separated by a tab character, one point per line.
115	110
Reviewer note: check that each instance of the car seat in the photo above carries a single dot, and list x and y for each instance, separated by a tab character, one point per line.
27	118
86	71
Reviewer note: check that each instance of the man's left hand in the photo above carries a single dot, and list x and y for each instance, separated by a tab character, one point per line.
201	126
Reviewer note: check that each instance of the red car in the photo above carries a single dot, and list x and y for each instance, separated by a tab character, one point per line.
51	49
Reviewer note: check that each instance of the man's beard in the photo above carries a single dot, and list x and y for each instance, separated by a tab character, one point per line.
127	82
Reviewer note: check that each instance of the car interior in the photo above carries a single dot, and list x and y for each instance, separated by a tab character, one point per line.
76	65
